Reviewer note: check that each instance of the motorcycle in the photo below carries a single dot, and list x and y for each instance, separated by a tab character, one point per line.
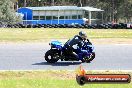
85	54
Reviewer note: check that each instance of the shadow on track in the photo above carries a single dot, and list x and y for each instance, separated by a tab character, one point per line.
58	63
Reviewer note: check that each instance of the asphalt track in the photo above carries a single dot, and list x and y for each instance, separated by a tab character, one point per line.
29	56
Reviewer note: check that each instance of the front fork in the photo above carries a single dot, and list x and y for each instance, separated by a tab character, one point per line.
84	55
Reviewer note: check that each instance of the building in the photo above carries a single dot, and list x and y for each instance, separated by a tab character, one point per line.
56	14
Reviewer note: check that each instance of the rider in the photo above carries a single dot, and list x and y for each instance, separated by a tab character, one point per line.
78	40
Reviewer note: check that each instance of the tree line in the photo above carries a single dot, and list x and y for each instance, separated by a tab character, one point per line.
114	10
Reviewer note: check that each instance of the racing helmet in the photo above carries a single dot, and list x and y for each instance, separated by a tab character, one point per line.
82	35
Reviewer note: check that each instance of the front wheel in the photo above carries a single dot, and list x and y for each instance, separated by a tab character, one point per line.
51	56
88	59
92	56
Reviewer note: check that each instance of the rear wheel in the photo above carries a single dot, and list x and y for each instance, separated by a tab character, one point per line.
51	56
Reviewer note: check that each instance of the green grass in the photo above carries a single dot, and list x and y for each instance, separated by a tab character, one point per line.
48	79
54	83
43	34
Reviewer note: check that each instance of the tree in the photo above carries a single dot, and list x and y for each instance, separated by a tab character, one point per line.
127	11
114	10
7	12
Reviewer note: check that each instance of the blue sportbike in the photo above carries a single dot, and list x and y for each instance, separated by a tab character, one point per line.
85	54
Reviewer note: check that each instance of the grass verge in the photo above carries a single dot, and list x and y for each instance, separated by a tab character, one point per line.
45	34
51	79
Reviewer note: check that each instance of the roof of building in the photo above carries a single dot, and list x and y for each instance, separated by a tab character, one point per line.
90	8
55	8
64	8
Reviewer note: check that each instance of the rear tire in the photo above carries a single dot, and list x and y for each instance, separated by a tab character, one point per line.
51	56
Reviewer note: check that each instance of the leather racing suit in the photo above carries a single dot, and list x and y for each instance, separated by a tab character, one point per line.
69	45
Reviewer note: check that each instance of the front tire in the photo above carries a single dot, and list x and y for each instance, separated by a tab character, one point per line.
90	58
51	56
